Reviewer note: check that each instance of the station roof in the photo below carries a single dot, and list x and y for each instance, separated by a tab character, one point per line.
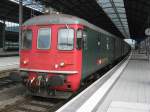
86	9
137	12
9	11
116	12
138	15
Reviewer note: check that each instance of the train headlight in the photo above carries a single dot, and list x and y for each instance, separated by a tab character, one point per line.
62	64
25	62
100	61
56	65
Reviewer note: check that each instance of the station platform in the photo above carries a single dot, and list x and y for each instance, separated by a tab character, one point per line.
125	88
8	53
8	64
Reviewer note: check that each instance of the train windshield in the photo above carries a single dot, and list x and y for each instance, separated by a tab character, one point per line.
65	39
27	39
44	38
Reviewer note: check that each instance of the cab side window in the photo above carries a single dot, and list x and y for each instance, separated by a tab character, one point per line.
26	39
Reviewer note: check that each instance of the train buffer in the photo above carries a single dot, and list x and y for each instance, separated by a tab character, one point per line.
125	88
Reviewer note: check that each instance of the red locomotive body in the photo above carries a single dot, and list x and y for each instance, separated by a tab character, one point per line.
58	63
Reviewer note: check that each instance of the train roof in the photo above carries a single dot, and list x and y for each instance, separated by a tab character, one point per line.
62	19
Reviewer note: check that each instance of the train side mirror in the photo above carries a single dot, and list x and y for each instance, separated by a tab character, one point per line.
79	39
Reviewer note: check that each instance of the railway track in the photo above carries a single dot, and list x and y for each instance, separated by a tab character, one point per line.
6	82
34	104
26	103
38	104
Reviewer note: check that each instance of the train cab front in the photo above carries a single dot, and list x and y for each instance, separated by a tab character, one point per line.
51	58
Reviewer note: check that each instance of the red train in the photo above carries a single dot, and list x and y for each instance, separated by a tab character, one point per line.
59	51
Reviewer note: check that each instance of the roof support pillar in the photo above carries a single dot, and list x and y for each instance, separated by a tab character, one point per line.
3	35
20	22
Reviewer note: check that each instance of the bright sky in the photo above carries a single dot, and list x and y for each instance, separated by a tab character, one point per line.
130	41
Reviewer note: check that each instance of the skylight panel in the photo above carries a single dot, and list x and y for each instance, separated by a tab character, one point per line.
31	4
116	12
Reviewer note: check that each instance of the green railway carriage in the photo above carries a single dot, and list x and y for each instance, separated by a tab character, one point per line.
103	47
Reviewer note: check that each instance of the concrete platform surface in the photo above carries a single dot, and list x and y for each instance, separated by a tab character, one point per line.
8	53
132	90
9	63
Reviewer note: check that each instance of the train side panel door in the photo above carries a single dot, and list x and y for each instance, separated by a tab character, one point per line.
84	54
113	48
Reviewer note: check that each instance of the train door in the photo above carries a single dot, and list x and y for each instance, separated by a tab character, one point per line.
41	48
122	48
84	54
110	48
113	48
65	51
108	56
103	49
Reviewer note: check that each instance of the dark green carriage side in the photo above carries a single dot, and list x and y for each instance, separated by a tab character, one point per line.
118	48
90	53
97	46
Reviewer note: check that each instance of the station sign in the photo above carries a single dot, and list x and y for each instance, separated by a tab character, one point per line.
147	32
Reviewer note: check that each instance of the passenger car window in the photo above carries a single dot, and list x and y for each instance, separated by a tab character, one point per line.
107	46
44	38
85	40
65	39
26	39
79	39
